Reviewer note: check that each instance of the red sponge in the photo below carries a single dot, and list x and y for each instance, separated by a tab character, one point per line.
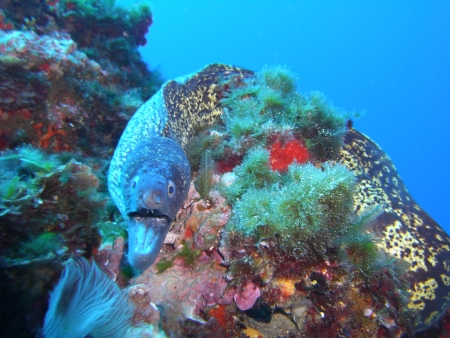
282	156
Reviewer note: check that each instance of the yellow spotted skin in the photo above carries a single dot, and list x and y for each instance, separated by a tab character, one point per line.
403	229
196	101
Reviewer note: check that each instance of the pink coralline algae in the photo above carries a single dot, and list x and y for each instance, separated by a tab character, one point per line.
33	64
194	289
247	297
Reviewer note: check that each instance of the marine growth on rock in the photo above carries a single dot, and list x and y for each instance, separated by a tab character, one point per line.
302	249
294	225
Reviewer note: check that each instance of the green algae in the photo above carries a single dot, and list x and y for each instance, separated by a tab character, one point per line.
258	106
48	203
285	223
40	246
254	172
91	7
21	178
188	254
111	230
30	158
307	207
306	204
102	9
314	199
320	123
269	104
43	247
163	265
203	141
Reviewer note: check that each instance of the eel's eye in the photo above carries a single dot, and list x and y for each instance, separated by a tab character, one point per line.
171	189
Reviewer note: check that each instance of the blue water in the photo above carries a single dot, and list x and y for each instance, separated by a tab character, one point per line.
389	58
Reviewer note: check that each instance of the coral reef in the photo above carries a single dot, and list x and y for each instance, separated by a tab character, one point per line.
260	287
51	207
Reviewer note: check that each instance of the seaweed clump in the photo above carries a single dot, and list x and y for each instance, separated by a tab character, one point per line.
305	202
306	209
267	108
47	203
52	206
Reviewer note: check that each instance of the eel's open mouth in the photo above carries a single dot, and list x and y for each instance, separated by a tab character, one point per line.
146	232
142	213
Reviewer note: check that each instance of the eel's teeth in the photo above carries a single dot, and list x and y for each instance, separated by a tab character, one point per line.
145	239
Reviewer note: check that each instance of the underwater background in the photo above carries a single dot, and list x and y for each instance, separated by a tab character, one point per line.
73	73
390	59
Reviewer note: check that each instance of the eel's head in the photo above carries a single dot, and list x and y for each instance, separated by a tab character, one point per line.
155	185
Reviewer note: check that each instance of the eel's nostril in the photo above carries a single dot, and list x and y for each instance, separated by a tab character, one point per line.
157	198
152	199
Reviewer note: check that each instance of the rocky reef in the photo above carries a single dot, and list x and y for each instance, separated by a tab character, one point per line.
271	243
71	77
71	73
268	243
271	247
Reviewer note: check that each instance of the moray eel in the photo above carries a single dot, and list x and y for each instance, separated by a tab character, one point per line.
403	229
149	174
149	177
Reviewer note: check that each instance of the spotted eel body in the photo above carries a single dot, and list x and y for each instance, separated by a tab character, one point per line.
403	229
149	175
149	178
